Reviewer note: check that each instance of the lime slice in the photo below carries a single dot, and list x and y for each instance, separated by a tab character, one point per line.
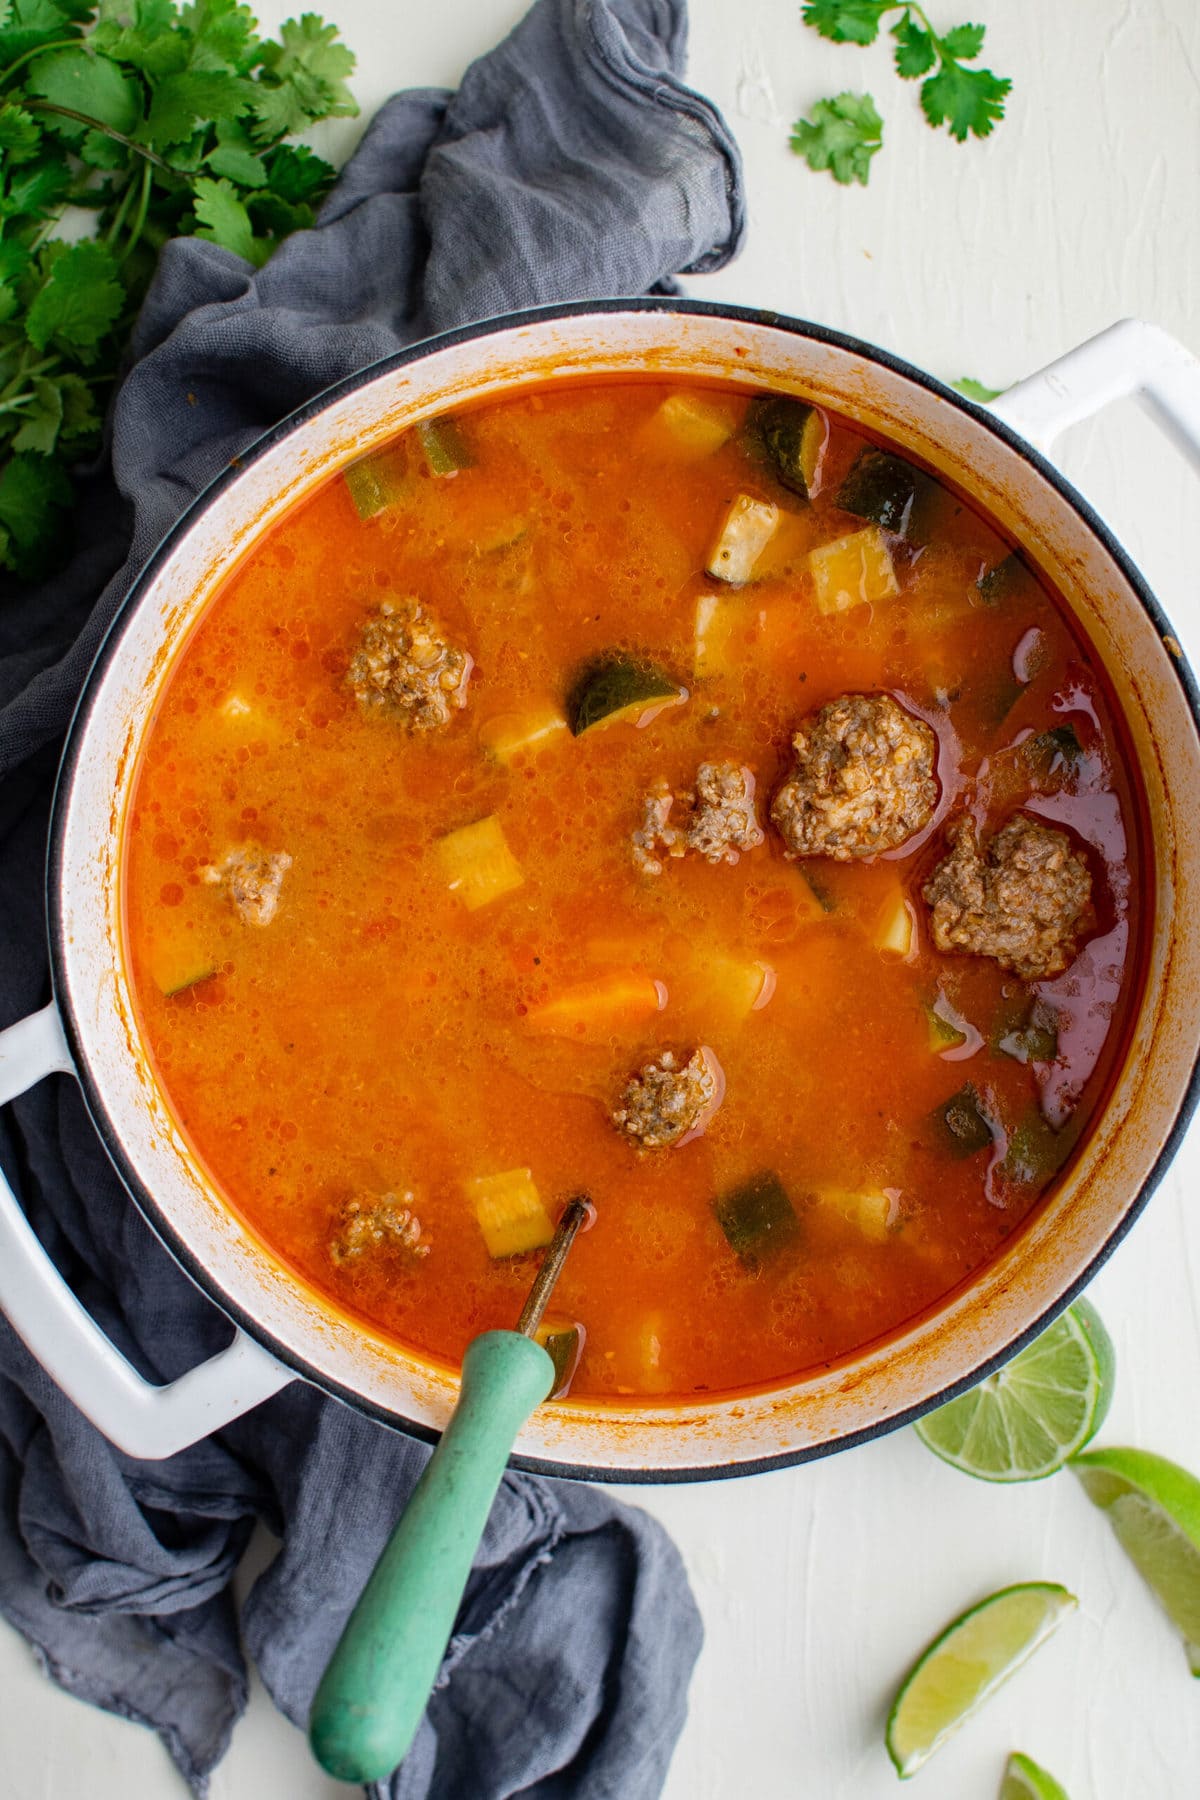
1034	1414
1024	1780
1154	1507
966	1664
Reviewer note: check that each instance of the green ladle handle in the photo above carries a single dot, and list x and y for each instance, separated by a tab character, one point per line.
374	1692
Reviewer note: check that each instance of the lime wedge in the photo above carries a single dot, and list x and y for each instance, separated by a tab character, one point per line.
1024	1780
1154	1507
1034	1414
966	1664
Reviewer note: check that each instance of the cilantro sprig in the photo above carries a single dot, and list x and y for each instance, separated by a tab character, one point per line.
160	120
842	137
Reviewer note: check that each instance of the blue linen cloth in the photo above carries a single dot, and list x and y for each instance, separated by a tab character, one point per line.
572	162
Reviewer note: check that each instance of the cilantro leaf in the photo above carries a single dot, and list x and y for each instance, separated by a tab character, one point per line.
183	101
846	21
975	390
34	492
20	134
916	49
80	420
842	136
964	42
964	100
277	112
40	423
34	22
244	167
139	33
160	117
88	84
225	34
36	190
297	173
311	45
81	297
99	151
303	78
225	221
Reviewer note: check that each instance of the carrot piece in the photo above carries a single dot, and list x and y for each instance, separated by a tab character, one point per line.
597	1008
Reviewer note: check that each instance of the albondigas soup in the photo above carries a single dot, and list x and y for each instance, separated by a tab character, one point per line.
655	791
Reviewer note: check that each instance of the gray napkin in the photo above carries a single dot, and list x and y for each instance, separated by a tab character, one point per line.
572	162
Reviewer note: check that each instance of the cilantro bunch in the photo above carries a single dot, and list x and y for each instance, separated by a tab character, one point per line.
844	133
159	120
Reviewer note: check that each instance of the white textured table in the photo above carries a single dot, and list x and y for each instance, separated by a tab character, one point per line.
818	1584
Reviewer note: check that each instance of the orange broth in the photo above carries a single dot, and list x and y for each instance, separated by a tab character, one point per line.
374	1038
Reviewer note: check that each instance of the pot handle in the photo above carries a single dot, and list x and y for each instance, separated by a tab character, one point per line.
1130	359
143	1420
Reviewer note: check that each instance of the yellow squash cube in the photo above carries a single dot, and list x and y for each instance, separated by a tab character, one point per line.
853	570
510	1212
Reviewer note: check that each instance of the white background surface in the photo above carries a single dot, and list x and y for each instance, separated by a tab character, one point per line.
819	1584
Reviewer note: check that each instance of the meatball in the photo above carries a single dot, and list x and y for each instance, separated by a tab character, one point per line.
405	665
716	819
1022	902
372	1225
252	878
667	1102
863	780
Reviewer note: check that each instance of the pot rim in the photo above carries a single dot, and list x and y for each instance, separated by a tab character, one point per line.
292	423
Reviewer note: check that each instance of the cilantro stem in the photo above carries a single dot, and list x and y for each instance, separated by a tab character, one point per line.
118	137
25	372
118	218
139	217
38	50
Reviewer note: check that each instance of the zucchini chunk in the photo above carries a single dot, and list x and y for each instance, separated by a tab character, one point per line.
944	1034
478	865
963	1124
445	448
881	487
510	1213
1052	750
1035	1039
562	1340
1035	1150
792	436
852	571
746	530
719	623
619	686
729	987
176	969
757	1218
871	1210
688	427
376	482
1007	580
895	927
507	735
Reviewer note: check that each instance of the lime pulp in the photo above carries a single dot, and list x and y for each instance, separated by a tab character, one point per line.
1028	1420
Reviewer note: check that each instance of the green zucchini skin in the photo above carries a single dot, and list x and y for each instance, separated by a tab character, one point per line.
1059	747
446	449
1035	1150
613	683
790	435
881	487
1005	581
757	1217
963	1124
375	483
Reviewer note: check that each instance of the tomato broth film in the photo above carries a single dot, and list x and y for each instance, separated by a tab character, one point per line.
661	792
